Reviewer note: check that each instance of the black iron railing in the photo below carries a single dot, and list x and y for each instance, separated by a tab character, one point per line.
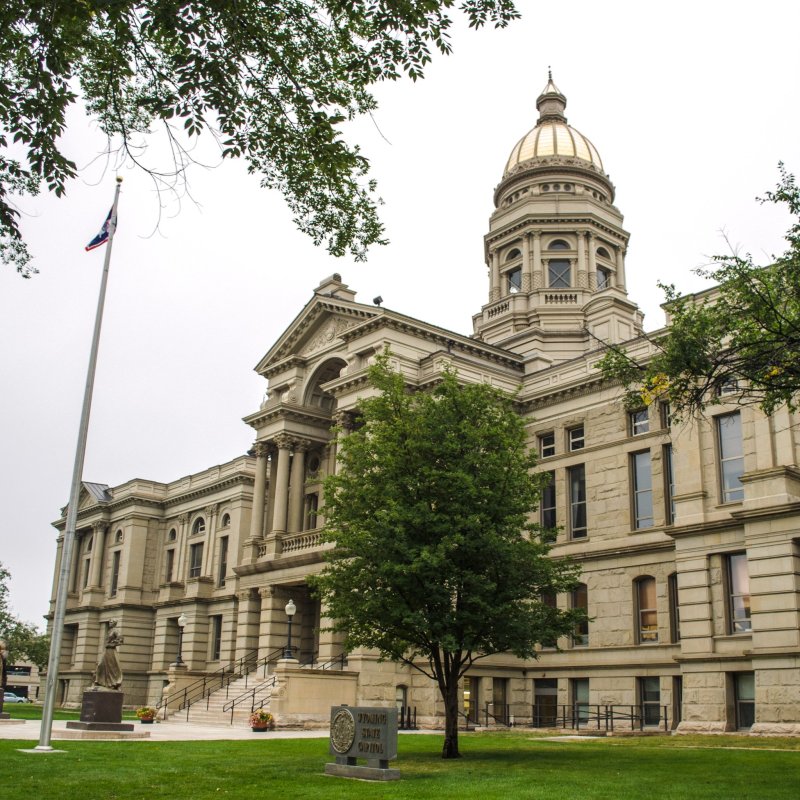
501	714
579	716
407	718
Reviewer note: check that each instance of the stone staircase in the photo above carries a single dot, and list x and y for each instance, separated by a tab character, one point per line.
209	711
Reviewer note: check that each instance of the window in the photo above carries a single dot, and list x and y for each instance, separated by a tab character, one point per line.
114	573
545	695
674	608
172	535
575	438
646	613
310	514
471	698
664	415
580	600
739	593
727	386
744	690
603	253
223	561
558	244
500	700
642	480
669	484
86	567
650	700
216	637
580	698
401	700
170	565
558	271
577	501
226	521
550	602
118	537
548	502
603	278
638	422
195	560
512	254
199	526
89	540
731	459
547	444
514	280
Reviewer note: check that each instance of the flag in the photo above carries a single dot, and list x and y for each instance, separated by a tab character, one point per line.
105	231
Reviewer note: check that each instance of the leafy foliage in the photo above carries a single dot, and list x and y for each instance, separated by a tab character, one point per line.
23	640
272	82
436	562
744	333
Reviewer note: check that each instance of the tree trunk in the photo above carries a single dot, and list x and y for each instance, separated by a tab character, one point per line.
450	697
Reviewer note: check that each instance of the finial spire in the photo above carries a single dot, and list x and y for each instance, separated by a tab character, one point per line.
551	103
549	73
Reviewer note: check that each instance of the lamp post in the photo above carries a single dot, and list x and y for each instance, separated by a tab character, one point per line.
290	609
182	620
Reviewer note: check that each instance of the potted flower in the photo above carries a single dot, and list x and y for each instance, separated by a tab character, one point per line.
146	714
261	720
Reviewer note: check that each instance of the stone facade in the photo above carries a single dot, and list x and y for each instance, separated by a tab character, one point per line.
687	534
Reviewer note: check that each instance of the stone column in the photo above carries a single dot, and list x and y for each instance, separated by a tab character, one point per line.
344	420
527	277
248	614
182	553
591	278
494	293
74	569
279	516
98	548
620	282
538	277
208	550
259	492
325	464
297	486
59	553
273	625
273	479
593	255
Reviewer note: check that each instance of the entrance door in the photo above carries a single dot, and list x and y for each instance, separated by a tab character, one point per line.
545	702
471	698
500	700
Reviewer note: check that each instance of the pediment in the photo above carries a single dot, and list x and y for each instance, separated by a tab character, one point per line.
318	326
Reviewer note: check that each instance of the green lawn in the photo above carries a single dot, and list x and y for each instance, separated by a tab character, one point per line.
507	766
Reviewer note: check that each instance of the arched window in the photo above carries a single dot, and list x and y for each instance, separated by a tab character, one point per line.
580	599
558	244
513	254
172	535
603	253
558	272
199	526
646	613
226	520
118	536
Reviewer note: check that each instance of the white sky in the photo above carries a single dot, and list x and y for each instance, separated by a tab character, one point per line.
691	106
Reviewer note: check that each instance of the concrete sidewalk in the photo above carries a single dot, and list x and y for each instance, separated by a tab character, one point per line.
159	732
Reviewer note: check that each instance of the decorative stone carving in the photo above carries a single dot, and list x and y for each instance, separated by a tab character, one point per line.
283	441
266	592
261	449
335	328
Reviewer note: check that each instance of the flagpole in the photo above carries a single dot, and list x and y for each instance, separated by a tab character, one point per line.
72	510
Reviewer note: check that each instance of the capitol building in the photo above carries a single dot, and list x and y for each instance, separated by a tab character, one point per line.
687	535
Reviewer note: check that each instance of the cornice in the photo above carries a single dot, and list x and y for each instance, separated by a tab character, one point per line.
620	235
287	411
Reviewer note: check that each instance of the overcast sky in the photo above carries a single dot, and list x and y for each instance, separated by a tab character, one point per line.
691	106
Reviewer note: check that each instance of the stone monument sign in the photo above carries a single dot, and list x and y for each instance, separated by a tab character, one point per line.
363	732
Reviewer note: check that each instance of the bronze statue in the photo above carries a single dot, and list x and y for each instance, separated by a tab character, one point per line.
108	674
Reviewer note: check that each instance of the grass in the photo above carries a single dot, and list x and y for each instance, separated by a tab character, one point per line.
510	765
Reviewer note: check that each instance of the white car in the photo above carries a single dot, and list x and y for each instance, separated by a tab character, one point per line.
10	697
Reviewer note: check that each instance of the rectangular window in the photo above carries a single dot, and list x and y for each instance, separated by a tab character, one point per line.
575	438
216	636
576	477
471	698
547	444
87	563
642	480
650	700
669	484
223	561
638	422
548	507
310	514
739	586
731	457
580	699
674	608
647	631
744	688
580	599
514	278
114	573
664	415
170	566
499	700
558	271
195	560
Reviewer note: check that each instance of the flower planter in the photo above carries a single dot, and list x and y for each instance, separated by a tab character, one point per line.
259	729
146	721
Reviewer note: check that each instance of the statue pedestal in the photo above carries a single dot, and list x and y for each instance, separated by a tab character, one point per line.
101	711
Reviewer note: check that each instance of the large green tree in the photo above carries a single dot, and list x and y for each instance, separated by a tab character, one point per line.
743	334
437	563
22	639
271	81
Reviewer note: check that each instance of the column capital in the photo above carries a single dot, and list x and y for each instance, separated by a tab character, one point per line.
244	595
266	592
283	441
262	449
211	510
536	235
100	527
344	420
183	519
303	445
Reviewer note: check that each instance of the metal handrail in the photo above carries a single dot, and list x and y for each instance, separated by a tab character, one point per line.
501	720
406	721
468	721
599	717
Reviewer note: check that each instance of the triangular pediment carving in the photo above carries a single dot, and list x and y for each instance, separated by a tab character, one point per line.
318	326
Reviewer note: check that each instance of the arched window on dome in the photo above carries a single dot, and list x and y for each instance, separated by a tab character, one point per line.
559	244
512	254
558	273
603	253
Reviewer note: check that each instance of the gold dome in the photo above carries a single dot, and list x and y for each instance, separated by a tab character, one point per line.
552	137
